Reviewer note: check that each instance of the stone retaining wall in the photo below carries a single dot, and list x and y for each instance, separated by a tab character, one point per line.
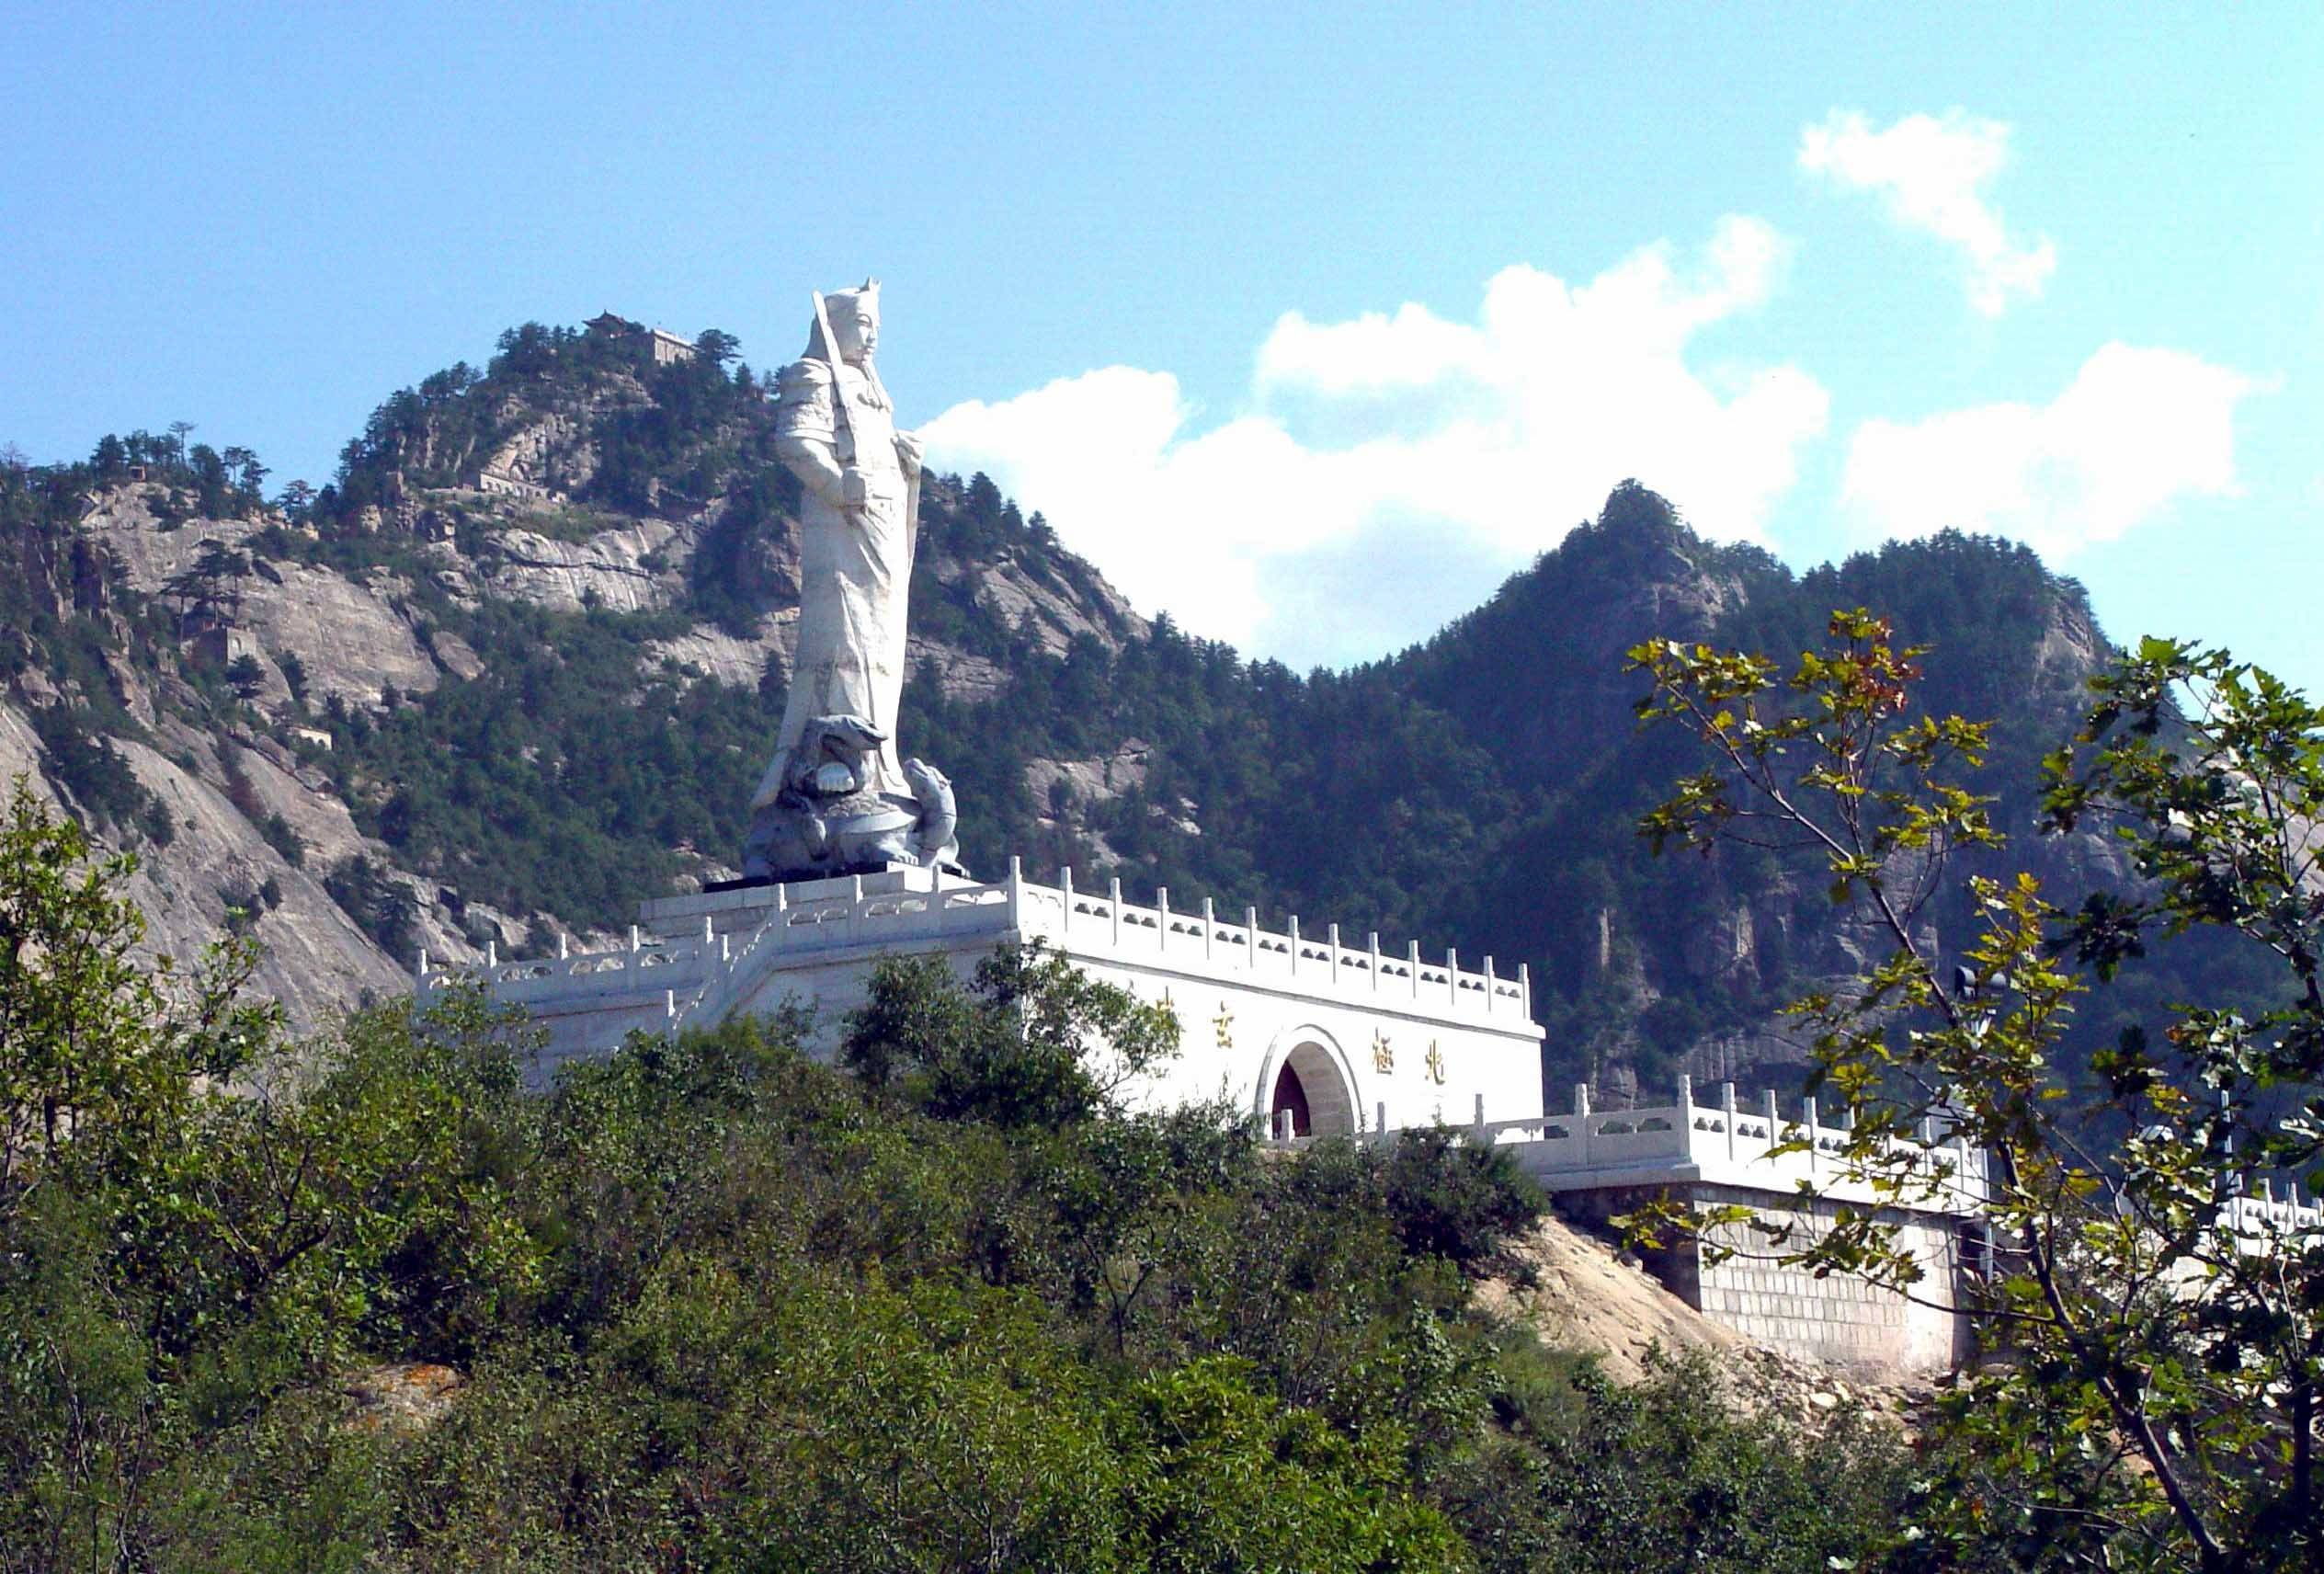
1838	1317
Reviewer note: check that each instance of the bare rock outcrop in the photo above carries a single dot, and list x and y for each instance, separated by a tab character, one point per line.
403	1397
634	567
1054	617
348	635
316	961
709	651
1096	781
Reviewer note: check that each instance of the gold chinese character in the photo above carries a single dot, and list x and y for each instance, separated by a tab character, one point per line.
1223	1025
1383	1058
1436	1063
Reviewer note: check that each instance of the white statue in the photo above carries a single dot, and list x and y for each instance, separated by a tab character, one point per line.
834	797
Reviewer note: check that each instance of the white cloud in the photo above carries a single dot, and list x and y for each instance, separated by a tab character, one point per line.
2137	431
1436	441
1932	172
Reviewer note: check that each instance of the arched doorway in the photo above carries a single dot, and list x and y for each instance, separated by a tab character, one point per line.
1309	1079
1290	1099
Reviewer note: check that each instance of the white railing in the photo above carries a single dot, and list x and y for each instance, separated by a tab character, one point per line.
643	965
1726	1143
1105	919
695	972
2265	1218
1732	1144
1729	1143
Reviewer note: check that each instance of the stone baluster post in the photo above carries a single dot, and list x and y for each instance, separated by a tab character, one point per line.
1412	966
1727	1109
1331	944
1116	909
1807	1121
1453	975
491	952
1161	917
1064	887
1372	945
1210	919
1295	945
1489	982
1767	1114
564	945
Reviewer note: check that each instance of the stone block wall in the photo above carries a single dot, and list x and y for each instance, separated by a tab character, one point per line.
1838	1317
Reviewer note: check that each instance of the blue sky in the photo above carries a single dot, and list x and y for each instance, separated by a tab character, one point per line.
1308	325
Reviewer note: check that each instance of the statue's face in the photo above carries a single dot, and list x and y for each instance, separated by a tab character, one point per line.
855	323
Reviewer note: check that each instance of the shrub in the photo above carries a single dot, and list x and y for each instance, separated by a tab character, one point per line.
87	764
381	907
1454	1200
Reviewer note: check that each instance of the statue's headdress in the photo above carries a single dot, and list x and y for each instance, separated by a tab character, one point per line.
832	304
828	308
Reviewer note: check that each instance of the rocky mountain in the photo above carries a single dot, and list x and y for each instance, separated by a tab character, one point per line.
223	685
518	663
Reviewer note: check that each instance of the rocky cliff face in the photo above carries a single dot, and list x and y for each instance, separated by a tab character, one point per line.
317	960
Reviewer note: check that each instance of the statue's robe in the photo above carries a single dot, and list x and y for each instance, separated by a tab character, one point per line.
855	570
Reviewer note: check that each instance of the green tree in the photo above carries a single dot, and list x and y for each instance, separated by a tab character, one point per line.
246	676
101	1055
2159	1405
247	475
1037	1043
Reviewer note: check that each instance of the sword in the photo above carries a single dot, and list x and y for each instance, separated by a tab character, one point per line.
830	340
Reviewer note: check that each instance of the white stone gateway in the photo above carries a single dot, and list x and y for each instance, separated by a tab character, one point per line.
1312	1035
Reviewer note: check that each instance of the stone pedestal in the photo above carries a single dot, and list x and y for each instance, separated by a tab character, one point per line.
1374	1039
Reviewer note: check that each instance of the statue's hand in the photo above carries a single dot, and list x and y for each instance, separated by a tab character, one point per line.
852	494
908	448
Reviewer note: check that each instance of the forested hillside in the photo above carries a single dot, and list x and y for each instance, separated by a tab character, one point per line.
710	1304
518	663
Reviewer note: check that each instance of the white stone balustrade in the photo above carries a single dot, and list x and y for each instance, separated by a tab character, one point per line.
877	913
2261	1220
1725	1143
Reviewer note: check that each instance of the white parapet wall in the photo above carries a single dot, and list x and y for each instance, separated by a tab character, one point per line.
1726	1143
1374	1038
2266	1223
